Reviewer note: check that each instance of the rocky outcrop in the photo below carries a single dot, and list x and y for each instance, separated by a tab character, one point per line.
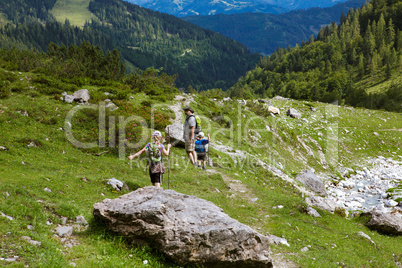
187	229
174	132
309	179
385	223
321	203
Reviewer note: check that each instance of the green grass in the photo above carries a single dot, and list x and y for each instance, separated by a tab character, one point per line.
76	11
25	171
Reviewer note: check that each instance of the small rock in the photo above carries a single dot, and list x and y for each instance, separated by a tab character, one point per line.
64	231
312	212
305	249
81	220
6	216
365	236
47	190
63	220
30	227
49	223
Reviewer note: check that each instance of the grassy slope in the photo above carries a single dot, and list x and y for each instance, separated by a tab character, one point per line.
26	170
76	11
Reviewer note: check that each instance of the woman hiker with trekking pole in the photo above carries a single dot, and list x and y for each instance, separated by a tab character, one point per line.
154	150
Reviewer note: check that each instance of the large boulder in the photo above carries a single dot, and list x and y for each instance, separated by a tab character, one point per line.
175	134
385	223
293	113
187	229
309	179
273	110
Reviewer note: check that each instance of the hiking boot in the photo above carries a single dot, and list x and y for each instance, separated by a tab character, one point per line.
199	166
203	167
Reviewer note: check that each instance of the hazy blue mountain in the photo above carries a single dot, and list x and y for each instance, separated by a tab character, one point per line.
264	33
182	8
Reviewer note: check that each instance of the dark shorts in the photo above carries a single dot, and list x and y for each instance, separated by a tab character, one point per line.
202	156
156	177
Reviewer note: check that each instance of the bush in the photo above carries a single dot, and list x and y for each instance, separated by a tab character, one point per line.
4	90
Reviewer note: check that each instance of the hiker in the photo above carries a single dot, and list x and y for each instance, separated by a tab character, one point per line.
154	151
201	148
189	135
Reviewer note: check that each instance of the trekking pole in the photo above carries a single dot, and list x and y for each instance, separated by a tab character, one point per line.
168	159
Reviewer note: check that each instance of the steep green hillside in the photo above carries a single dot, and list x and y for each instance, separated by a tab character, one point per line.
358	62
46	175
264	33
144	38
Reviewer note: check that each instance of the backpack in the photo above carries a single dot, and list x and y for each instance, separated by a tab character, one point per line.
197	123
199	148
153	153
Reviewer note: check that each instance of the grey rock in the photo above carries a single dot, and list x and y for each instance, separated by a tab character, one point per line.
116	184
321	203
265	101
63	220
81	96
293	113
30	241
385	223
227	99
312	212
30	227
186	228
81	220
278	240
68	98
47	190
365	236
174	133
6	216
309	179
64	231
313	109
3	148
273	110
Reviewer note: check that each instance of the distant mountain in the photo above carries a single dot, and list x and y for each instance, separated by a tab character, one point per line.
183	8
145	38
264	33
209	7
303	4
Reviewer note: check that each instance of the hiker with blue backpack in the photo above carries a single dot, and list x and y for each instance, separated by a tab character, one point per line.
154	151
191	128
201	148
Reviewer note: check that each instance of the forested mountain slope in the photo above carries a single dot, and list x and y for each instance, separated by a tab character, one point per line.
357	62
264	33
144	38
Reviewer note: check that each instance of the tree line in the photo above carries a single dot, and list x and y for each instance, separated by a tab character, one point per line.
340	64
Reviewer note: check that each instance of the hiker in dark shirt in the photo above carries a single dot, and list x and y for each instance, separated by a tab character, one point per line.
154	150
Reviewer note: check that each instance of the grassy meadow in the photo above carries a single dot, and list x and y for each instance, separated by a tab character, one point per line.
37	155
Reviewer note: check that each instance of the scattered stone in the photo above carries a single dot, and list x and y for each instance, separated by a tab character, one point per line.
376	134
312	109
365	236
186	228
321	203
64	231
293	113
312	212
68	98
49	223
6	216
227	99
47	190
30	227
273	110
116	184
305	249
63	220
385	223
278	240
309	179
81	220
265	101
32	242
3	148
81	96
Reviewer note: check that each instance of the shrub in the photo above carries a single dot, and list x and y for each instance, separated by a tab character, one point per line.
4	90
